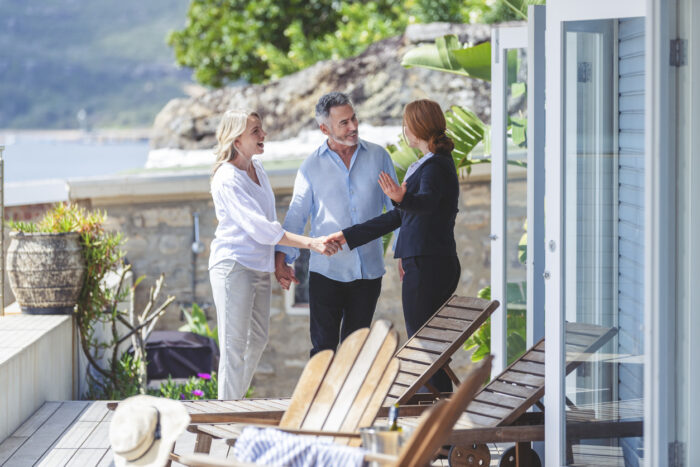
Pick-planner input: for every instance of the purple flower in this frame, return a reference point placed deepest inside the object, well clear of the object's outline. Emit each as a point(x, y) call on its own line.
point(204, 375)
point(182, 396)
point(198, 393)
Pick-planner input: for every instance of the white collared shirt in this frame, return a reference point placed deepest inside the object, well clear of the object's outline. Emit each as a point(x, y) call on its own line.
point(248, 229)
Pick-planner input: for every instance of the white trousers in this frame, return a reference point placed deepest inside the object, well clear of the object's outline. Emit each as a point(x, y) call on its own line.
point(242, 300)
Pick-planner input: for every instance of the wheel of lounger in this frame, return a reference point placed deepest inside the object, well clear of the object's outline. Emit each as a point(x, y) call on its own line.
point(530, 458)
point(471, 455)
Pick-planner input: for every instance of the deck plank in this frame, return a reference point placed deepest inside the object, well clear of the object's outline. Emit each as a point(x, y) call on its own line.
point(36, 420)
point(56, 458)
point(86, 457)
point(76, 435)
point(47, 434)
point(9, 446)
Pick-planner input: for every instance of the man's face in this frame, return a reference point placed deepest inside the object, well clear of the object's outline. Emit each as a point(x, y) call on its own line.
point(342, 125)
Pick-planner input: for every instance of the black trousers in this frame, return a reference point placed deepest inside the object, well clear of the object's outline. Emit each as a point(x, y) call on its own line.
point(337, 309)
point(427, 284)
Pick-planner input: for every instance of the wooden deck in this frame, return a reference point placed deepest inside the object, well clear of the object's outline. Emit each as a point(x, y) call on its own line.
point(72, 433)
point(75, 433)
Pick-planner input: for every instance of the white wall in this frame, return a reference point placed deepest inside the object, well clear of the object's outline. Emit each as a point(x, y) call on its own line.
point(36, 365)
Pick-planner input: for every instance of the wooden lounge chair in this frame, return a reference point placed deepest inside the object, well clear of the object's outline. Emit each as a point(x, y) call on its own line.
point(336, 392)
point(428, 351)
point(421, 357)
point(426, 439)
point(503, 403)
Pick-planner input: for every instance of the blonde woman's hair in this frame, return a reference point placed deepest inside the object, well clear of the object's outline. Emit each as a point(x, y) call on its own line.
point(231, 126)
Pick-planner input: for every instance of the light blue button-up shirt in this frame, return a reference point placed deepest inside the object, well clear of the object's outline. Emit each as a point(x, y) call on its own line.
point(336, 197)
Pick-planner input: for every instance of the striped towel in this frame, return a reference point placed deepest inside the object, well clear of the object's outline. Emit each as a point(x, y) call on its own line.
point(274, 447)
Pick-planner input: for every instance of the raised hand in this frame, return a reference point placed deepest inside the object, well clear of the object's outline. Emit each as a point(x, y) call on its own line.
point(390, 188)
point(337, 237)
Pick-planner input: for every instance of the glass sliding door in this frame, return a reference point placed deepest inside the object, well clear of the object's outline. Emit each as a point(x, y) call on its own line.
point(509, 71)
point(595, 231)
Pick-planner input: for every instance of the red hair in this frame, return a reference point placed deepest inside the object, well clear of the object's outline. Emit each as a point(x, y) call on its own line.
point(424, 118)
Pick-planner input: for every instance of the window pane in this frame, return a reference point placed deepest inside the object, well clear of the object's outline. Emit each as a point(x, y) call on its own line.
point(516, 202)
point(604, 232)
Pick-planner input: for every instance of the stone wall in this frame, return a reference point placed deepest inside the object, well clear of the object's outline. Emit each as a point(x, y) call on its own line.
point(160, 235)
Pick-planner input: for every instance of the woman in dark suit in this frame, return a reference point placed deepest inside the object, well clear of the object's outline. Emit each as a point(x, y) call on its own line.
point(426, 207)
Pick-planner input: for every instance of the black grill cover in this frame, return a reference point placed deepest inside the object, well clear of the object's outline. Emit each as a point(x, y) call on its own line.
point(180, 354)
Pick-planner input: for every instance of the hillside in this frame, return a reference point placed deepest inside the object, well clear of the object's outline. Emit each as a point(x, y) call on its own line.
point(108, 57)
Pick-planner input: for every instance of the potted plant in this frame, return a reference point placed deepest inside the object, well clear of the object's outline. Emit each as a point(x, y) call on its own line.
point(49, 262)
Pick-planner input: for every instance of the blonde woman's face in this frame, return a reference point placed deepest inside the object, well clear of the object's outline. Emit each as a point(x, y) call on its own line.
point(251, 141)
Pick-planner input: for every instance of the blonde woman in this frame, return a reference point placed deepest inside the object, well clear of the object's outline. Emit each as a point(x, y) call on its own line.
point(242, 252)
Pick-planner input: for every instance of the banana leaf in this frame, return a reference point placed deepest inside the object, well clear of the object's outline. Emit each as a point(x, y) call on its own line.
point(466, 131)
point(449, 55)
point(402, 155)
point(475, 60)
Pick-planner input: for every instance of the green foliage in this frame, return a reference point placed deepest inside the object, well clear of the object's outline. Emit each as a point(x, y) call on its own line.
point(515, 326)
point(429, 11)
point(124, 384)
point(197, 323)
point(449, 55)
point(228, 40)
point(202, 386)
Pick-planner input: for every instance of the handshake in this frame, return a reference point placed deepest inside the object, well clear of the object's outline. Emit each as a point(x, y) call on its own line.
point(328, 245)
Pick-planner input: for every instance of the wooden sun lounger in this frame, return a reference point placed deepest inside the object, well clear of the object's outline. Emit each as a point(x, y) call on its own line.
point(421, 357)
point(491, 416)
point(421, 447)
point(340, 392)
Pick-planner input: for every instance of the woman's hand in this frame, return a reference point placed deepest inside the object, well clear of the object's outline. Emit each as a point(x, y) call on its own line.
point(401, 271)
point(390, 188)
point(337, 237)
point(324, 246)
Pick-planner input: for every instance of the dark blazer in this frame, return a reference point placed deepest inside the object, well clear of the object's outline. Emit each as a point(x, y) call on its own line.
point(426, 214)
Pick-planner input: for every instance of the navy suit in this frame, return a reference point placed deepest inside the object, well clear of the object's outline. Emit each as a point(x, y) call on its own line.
point(426, 243)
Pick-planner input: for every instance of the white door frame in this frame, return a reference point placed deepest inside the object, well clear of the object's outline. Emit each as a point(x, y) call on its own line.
point(559, 12)
point(535, 172)
point(502, 39)
point(660, 235)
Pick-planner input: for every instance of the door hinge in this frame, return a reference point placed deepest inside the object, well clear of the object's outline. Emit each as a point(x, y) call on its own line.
point(676, 454)
point(679, 52)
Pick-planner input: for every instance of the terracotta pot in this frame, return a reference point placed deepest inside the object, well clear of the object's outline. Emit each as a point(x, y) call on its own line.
point(46, 271)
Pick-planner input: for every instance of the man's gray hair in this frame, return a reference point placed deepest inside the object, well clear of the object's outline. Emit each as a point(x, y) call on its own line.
point(326, 102)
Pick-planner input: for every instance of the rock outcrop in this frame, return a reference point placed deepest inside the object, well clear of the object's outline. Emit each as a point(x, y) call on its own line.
point(377, 83)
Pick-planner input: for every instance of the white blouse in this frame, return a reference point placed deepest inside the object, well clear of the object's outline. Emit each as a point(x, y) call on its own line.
point(248, 229)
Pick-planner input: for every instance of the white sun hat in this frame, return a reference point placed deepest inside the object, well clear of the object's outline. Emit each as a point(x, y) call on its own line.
point(144, 429)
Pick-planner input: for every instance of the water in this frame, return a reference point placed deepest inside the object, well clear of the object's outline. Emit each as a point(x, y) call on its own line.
point(33, 158)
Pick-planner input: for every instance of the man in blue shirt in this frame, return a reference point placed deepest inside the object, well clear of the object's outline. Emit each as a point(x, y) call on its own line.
point(336, 186)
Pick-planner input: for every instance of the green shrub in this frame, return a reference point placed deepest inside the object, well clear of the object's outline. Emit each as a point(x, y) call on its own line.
point(197, 323)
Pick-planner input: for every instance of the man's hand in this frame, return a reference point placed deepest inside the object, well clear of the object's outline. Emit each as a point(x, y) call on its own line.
point(401, 271)
point(390, 188)
point(337, 237)
point(283, 272)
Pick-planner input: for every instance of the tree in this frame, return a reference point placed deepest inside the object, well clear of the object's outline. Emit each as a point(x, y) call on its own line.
point(227, 40)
